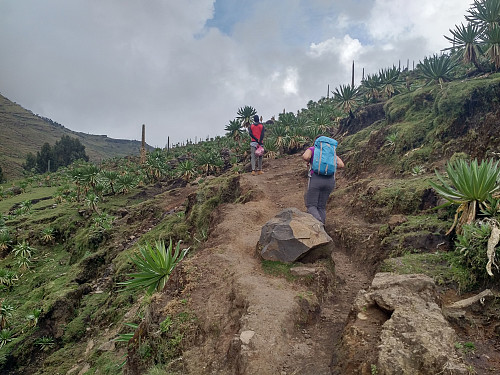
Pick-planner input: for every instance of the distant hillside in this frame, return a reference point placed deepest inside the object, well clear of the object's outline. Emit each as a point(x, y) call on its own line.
point(23, 132)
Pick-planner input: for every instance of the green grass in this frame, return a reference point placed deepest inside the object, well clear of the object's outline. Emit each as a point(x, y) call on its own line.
point(415, 226)
point(280, 269)
point(425, 120)
point(439, 266)
point(31, 194)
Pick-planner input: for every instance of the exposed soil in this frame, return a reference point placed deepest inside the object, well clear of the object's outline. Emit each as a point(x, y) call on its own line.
point(251, 322)
point(292, 327)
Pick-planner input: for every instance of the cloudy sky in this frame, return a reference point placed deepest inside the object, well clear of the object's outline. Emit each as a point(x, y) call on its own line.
point(184, 67)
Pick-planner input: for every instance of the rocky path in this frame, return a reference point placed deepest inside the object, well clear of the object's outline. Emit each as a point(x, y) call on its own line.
point(272, 333)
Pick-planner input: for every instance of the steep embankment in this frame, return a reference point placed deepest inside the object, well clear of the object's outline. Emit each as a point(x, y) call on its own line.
point(249, 320)
point(24, 132)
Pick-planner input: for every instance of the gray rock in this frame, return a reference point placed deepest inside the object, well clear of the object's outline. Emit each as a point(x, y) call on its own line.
point(246, 336)
point(303, 271)
point(293, 235)
point(412, 338)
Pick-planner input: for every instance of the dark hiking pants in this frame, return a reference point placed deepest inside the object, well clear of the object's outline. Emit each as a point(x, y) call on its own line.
point(317, 195)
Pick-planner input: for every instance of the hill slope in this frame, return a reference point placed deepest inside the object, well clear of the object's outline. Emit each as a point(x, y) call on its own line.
point(224, 310)
point(24, 132)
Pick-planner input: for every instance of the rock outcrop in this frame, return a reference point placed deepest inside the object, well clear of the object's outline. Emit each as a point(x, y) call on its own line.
point(294, 235)
point(397, 327)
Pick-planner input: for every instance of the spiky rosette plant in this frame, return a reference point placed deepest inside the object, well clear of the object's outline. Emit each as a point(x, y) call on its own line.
point(155, 264)
point(471, 187)
point(437, 69)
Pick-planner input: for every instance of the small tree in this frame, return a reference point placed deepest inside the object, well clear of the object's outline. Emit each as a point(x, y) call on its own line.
point(246, 113)
point(66, 151)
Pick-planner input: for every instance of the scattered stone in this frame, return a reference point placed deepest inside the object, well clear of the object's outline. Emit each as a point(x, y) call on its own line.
point(362, 316)
point(497, 329)
point(107, 346)
point(396, 220)
point(303, 271)
point(246, 336)
point(294, 235)
point(86, 367)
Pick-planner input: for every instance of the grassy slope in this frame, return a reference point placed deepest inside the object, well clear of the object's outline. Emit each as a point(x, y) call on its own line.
point(23, 132)
point(431, 109)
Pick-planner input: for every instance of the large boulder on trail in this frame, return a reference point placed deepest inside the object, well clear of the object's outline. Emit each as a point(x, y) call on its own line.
point(293, 235)
point(397, 327)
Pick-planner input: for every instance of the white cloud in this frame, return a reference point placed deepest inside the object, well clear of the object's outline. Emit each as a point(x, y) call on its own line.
point(390, 20)
point(290, 82)
point(108, 67)
point(346, 49)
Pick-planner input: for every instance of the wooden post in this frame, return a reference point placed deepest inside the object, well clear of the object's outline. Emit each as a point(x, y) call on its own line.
point(328, 92)
point(143, 145)
point(352, 74)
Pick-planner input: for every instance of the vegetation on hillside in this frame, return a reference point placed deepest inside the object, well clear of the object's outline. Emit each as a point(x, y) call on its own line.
point(70, 240)
point(50, 158)
point(24, 132)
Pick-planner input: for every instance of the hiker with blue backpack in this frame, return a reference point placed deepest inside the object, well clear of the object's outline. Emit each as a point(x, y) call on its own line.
point(324, 162)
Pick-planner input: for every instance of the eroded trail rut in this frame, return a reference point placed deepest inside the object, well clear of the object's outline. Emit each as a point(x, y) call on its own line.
point(256, 323)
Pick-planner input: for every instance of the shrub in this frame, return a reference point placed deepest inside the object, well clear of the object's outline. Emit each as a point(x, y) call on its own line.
point(474, 252)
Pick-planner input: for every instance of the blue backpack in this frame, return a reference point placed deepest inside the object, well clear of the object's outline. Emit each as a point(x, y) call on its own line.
point(325, 157)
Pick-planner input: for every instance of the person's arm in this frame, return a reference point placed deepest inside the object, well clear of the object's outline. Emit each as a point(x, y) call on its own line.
point(307, 155)
point(262, 135)
point(340, 163)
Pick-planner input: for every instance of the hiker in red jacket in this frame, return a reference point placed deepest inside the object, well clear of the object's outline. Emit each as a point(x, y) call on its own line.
point(256, 131)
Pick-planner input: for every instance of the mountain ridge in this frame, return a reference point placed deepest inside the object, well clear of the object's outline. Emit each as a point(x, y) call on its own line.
point(24, 132)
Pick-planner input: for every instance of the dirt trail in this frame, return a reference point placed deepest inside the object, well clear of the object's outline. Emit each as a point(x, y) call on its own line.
point(254, 315)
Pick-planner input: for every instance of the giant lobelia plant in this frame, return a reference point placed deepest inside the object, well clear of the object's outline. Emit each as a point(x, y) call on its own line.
point(472, 186)
point(155, 264)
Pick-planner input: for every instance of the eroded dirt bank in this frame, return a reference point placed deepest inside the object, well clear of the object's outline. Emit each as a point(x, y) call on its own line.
point(252, 322)
point(249, 321)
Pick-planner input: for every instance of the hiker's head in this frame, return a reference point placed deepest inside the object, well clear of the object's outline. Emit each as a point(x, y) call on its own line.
point(256, 119)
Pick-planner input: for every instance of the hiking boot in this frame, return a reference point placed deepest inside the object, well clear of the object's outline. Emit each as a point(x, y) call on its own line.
point(253, 173)
point(260, 172)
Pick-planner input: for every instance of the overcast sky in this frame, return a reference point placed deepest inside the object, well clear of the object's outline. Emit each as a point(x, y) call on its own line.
point(184, 67)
